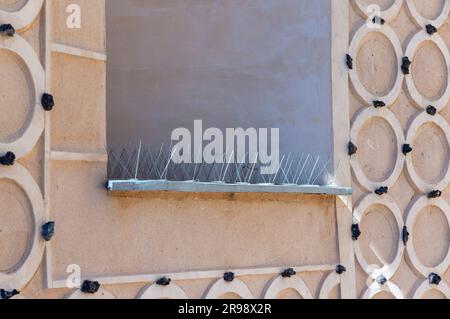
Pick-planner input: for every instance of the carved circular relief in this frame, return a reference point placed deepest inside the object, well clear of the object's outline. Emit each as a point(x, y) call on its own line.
point(380, 236)
point(376, 289)
point(362, 118)
point(173, 291)
point(429, 71)
point(21, 275)
point(430, 154)
point(443, 180)
point(280, 284)
point(422, 21)
point(424, 235)
point(377, 149)
point(376, 64)
point(16, 219)
point(417, 42)
point(222, 288)
point(16, 96)
point(413, 214)
point(426, 287)
point(22, 18)
point(332, 281)
point(355, 47)
point(388, 270)
point(389, 13)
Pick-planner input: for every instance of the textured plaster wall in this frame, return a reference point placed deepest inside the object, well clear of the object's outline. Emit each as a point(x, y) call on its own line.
point(117, 235)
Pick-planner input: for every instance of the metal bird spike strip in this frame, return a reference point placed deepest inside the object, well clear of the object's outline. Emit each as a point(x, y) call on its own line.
point(136, 162)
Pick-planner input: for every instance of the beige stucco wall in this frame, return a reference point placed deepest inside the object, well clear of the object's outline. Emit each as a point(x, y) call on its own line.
point(145, 236)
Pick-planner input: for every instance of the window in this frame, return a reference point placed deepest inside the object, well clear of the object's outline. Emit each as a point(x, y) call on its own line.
point(205, 66)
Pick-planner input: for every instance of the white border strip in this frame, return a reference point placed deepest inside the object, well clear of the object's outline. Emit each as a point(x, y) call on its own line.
point(47, 138)
point(340, 24)
point(195, 275)
point(83, 53)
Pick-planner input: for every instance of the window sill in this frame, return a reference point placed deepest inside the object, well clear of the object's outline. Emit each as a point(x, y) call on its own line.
point(199, 187)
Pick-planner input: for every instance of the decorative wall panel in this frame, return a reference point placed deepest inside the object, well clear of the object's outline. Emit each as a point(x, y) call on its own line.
point(415, 106)
point(14, 151)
